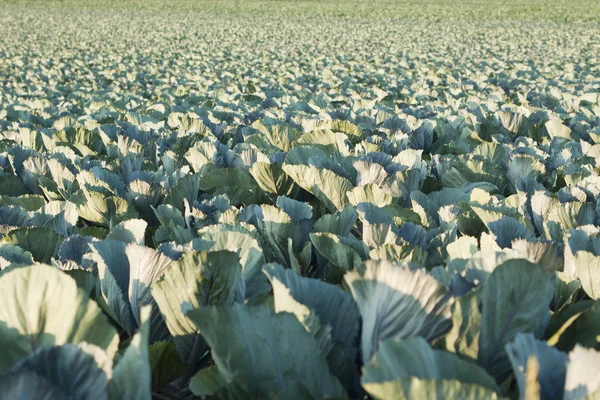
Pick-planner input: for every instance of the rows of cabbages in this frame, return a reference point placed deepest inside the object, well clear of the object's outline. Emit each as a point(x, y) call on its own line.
point(277, 208)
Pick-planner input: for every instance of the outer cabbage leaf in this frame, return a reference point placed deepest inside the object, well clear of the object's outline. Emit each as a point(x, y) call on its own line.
point(428, 389)
point(552, 365)
point(463, 337)
point(165, 363)
point(588, 272)
point(132, 377)
point(126, 273)
point(324, 184)
point(258, 353)
point(272, 179)
point(395, 301)
point(515, 299)
point(578, 323)
point(414, 357)
point(198, 279)
point(28, 385)
point(68, 369)
point(582, 380)
point(107, 211)
point(130, 231)
point(47, 310)
point(42, 243)
point(317, 305)
point(251, 255)
point(341, 255)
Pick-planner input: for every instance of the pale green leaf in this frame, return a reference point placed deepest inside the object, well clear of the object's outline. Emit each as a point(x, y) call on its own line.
point(47, 309)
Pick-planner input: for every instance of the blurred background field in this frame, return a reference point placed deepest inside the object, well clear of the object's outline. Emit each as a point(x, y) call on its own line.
point(526, 10)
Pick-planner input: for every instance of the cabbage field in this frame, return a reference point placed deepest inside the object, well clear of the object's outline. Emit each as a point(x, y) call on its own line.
point(276, 199)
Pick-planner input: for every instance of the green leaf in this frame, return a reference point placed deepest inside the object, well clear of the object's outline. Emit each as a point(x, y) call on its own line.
point(238, 185)
point(463, 337)
point(63, 181)
point(297, 210)
point(126, 273)
point(186, 189)
point(130, 231)
point(325, 185)
point(173, 226)
point(59, 216)
point(414, 357)
point(107, 211)
point(276, 228)
point(515, 299)
point(369, 173)
point(507, 229)
point(428, 389)
point(68, 369)
point(557, 129)
point(12, 185)
point(340, 224)
point(132, 377)
point(588, 272)
point(165, 363)
point(354, 132)
point(369, 194)
point(402, 183)
point(578, 323)
point(207, 382)
point(47, 309)
point(42, 243)
point(567, 289)
point(258, 353)
point(11, 254)
point(299, 155)
point(294, 390)
point(398, 253)
point(515, 123)
point(301, 263)
point(178, 120)
point(144, 196)
point(565, 217)
point(341, 255)
point(28, 385)
point(12, 218)
point(395, 301)
point(280, 136)
point(378, 226)
point(317, 304)
point(93, 231)
point(524, 166)
point(333, 306)
point(272, 179)
point(197, 280)
point(331, 141)
point(582, 380)
point(552, 365)
point(541, 253)
point(29, 202)
point(243, 242)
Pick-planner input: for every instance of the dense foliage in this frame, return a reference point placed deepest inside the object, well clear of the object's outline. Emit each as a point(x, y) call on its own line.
point(273, 207)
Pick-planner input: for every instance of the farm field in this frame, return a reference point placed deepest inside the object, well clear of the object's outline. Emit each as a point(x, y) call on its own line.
point(271, 199)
